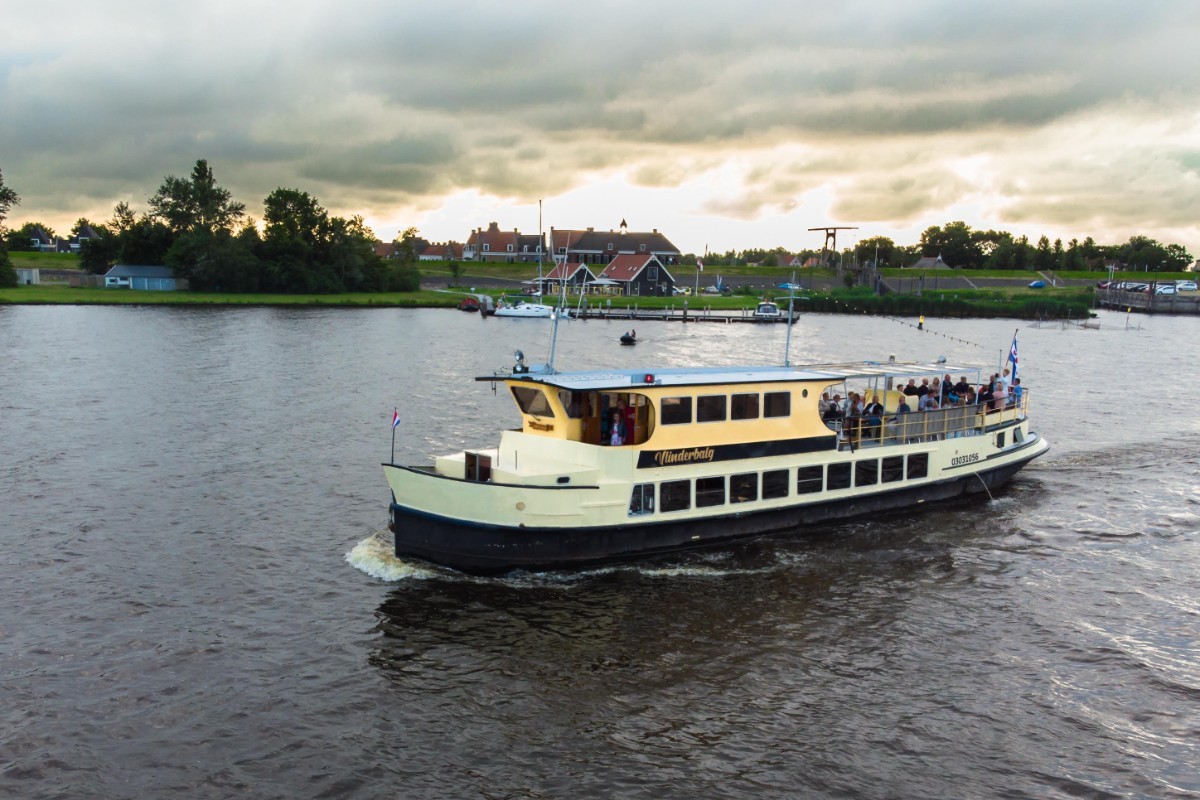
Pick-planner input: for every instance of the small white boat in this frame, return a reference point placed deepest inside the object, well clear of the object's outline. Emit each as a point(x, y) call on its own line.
point(520, 308)
point(767, 312)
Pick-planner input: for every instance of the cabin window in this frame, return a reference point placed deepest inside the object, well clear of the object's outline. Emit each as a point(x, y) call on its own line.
point(810, 480)
point(743, 406)
point(866, 472)
point(576, 403)
point(743, 488)
point(642, 500)
point(676, 411)
point(775, 484)
point(532, 401)
point(838, 477)
point(1018, 435)
point(710, 408)
point(918, 465)
point(675, 495)
point(893, 469)
point(777, 404)
point(710, 492)
point(1000, 439)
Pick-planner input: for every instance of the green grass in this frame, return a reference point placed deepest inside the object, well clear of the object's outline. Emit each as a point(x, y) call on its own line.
point(1017, 301)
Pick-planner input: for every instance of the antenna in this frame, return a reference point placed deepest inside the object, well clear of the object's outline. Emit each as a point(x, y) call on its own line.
point(787, 345)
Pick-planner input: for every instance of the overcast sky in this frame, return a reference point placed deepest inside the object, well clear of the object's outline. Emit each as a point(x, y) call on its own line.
point(723, 125)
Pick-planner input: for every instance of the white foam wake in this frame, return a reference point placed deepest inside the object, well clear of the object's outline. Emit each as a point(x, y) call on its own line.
point(374, 556)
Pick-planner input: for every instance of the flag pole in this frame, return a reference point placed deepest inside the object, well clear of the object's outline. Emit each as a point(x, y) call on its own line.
point(395, 413)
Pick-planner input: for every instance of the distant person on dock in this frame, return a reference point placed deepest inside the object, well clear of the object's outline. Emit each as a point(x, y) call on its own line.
point(921, 323)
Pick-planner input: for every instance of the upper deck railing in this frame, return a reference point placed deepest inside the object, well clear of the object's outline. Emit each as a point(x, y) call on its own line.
point(891, 428)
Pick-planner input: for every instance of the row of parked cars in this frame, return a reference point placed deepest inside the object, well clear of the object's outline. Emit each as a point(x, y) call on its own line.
point(1157, 287)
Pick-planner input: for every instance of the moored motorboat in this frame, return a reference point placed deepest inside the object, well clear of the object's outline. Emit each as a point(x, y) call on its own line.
point(615, 464)
point(766, 311)
point(629, 337)
point(523, 309)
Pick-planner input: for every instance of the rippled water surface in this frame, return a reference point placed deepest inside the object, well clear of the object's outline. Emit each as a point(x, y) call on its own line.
point(197, 599)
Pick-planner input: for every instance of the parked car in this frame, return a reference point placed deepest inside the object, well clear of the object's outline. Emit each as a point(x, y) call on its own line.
point(682, 291)
point(1038, 285)
point(1185, 286)
point(1105, 284)
point(788, 287)
point(1165, 288)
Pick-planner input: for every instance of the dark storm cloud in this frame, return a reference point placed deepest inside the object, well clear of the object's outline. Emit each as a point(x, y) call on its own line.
point(404, 103)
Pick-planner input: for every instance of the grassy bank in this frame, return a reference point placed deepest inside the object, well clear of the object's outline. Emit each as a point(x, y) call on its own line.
point(1017, 302)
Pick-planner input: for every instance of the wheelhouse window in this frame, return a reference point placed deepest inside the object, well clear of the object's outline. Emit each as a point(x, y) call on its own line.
point(774, 484)
point(675, 495)
point(777, 404)
point(743, 406)
point(710, 492)
point(810, 480)
point(866, 472)
point(743, 488)
point(641, 501)
point(918, 465)
point(710, 408)
point(577, 404)
point(838, 476)
point(532, 401)
point(676, 411)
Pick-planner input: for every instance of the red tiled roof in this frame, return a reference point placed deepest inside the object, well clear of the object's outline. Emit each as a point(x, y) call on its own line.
point(626, 267)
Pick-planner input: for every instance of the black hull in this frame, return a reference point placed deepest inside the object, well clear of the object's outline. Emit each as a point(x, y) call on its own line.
point(486, 549)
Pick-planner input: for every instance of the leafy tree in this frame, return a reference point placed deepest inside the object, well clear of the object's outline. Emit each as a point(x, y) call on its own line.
point(123, 219)
point(296, 229)
point(954, 243)
point(214, 262)
point(866, 250)
point(196, 204)
point(8, 199)
point(146, 243)
point(402, 273)
point(98, 255)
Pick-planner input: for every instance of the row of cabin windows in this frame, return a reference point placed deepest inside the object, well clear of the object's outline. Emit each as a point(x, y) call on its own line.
point(720, 407)
point(773, 484)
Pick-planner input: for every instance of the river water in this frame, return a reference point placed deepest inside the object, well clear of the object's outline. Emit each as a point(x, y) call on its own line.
point(196, 598)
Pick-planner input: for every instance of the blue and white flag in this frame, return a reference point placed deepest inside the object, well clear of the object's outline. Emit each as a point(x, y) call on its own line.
point(1012, 356)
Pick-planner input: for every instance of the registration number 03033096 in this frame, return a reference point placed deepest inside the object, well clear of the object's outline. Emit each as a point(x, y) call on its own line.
point(969, 458)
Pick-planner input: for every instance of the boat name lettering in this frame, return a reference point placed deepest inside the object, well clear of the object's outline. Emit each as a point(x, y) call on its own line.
point(666, 457)
point(970, 458)
point(541, 426)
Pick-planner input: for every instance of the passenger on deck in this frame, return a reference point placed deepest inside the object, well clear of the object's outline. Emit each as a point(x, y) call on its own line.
point(874, 414)
point(911, 389)
point(1017, 392)
point(834, 410)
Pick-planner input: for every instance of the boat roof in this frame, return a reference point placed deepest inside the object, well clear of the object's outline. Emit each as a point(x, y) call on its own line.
point(690, 376)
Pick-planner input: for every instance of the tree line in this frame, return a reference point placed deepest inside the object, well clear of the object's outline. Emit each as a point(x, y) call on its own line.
point(196, 227)
point(960, 246)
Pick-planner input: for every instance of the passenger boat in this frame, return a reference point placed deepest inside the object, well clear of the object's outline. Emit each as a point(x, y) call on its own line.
point(709, 455)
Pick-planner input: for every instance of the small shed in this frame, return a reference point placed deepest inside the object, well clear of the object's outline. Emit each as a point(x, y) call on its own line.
point(126, 276)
